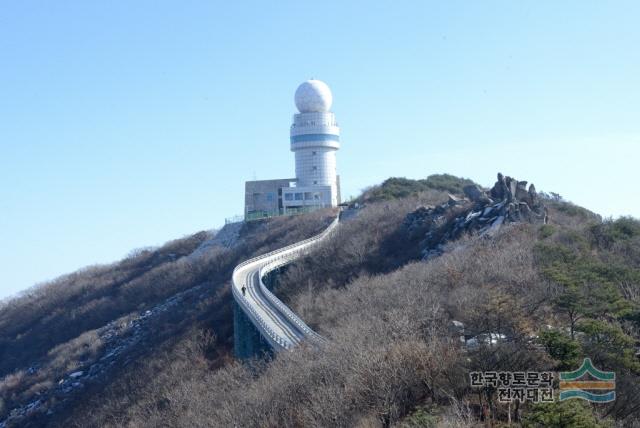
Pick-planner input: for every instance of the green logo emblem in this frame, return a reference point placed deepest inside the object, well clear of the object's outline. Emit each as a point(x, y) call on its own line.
point(572, 386)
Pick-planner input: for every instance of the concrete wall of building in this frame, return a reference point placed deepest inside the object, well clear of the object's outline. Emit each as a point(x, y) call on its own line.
point(314, 138)
point(316, 166)
point(307, 196)
point(314, 123)
point(264, 195)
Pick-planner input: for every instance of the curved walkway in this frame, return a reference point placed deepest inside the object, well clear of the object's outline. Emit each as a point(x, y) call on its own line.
point(274, 320)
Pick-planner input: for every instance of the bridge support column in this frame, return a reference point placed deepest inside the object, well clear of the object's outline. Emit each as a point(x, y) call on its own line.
point(247, 340)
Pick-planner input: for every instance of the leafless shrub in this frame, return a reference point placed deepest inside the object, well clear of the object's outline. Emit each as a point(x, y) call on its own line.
point(66, 357)
point(55, 323)
point(11, 382)
point(458, 415)
point(387, 317)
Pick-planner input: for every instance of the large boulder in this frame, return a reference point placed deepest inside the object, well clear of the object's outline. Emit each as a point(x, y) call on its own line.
point(475, 194)
point(508, 201)
point(500, 191)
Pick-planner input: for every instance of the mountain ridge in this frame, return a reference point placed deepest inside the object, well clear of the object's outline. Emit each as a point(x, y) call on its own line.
point(193, 347)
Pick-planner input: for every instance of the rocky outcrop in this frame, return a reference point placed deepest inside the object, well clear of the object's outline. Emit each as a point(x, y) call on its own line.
point(481, 211)
point(227, 237)
point(123, 341)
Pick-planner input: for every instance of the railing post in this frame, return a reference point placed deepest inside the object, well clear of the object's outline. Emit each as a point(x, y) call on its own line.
point(286, 254)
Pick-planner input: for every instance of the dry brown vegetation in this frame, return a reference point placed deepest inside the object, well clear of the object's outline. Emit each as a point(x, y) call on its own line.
point(54, 327)
point(373, 242)
point(390, 348)
point(53, 313)
point(392, 357)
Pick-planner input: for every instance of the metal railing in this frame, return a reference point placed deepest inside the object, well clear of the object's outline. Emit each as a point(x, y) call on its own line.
point(264, 270)
point(280, 212)
point(279, 257)
point(274, 339)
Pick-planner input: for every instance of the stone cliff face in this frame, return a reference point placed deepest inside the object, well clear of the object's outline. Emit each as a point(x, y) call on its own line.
point(483, 212)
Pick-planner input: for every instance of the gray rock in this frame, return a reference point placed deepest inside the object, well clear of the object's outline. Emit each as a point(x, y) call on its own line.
point(522, 194)
point(453, 200)
point(475, 193)
point(471, 216)
point(495, 226)
point(512, 186)
point(509, 202)
point(499, 189)
point(440, 209)
point(533, 195)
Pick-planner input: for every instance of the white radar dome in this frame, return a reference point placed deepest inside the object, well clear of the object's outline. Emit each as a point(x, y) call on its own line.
point(313, 96)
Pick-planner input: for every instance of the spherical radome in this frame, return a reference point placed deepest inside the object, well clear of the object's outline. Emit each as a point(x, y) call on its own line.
point(313, 96)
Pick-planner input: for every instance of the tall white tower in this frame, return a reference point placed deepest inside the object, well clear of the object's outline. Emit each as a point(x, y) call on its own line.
point(315, 138)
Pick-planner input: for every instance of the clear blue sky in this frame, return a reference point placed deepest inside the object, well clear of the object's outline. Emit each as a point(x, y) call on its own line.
point(129, 123)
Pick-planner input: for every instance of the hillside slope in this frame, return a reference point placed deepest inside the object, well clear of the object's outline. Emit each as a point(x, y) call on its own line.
point(64, 341)
point(552, 293)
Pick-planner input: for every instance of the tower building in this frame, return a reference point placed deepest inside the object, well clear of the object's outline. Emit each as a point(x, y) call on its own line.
point(314, 139)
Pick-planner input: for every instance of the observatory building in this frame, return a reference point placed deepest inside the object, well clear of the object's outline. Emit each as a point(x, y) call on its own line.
point(315, 139)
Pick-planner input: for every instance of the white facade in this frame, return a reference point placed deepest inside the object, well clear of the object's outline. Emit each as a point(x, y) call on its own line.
point(309, 196)
point(315, 139)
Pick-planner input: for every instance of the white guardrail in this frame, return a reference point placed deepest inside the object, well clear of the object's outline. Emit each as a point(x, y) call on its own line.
point(265, 264)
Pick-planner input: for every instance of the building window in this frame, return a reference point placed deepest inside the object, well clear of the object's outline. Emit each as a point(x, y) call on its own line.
point(307, 196)
point(314, 153)
point(314, 168)
point(298, 196)
point(270, 197)
point(315, 182)
point(288, 196)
